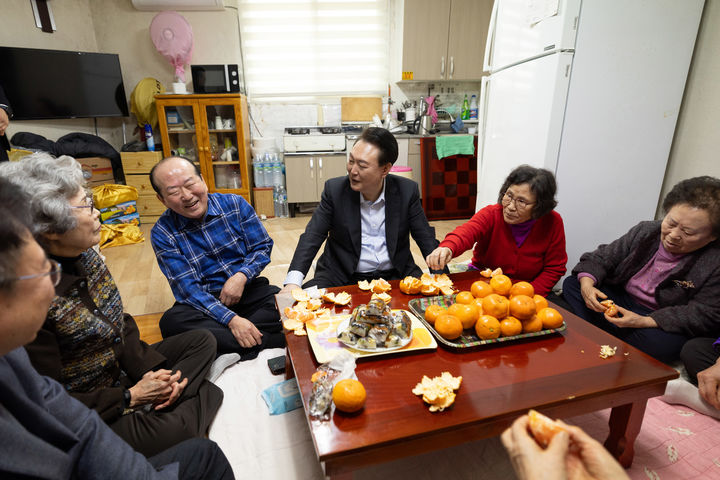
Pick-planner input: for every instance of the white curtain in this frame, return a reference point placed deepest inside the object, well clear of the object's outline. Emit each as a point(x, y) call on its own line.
point(314, 47)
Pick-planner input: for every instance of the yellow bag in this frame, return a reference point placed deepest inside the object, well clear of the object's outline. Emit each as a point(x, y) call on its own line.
point(116, 234)
point(110, 194)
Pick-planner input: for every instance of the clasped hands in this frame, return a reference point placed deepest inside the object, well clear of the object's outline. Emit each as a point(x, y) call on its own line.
point(624, 319)
point(160, 388)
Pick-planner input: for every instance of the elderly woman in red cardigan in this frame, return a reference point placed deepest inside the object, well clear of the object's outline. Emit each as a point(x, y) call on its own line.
point(522, 234)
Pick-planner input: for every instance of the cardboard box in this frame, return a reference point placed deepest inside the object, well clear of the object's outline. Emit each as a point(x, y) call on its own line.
point(97, 170)
point(119, 210)
point(133, 218)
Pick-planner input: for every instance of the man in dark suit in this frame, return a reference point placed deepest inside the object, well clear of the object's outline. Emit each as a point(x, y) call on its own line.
point(367, 219)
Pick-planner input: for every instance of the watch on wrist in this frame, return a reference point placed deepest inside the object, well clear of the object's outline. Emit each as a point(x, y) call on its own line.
point(127, 397)
point(7, 109)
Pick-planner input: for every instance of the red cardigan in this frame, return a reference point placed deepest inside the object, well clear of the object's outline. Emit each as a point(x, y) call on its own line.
point(540, 260)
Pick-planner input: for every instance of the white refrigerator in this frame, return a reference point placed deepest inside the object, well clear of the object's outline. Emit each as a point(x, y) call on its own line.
point(590, 90)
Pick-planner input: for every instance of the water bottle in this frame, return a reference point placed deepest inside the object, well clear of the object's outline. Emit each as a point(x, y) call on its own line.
point(277, 174)
point(267, 170)
point(473, 107)
point(282, 196)
point(257, 171)
point(149, 138)
point(276, 201)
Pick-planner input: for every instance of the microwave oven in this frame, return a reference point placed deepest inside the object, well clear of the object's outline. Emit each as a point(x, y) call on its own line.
point(215, 78)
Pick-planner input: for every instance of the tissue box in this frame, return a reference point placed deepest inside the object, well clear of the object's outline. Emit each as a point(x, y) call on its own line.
point(133, 218)
point(119, 210)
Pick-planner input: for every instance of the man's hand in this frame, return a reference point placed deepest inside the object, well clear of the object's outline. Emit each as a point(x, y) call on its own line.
point(246, 334)
point(709, 385)
point(233, 289)
point(289, 288)
point(156, 388)
point(4, 121)
point(530, 460)
point(628, 319)
point(591, 294)
point(438, 258)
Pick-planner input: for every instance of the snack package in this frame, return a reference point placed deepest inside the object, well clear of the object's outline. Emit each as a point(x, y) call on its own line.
point(119, 210)
point(324, 379)
point(282, 397)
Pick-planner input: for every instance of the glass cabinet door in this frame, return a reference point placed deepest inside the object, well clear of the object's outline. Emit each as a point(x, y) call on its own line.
point(223, 153)
point(182, 132)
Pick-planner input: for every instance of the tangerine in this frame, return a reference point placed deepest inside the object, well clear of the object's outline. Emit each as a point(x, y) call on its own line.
point(448, 326)
point(429, 289)
point(349, 395)
point(501, 284)
point(550, 318)
point(522, 307)
point(487, 327)
point(533, 324)
point(480, 289)
point(478, 303)
point(522, 288)
point(543, 428)
point(381, 286)
point(432, 312)
point(466, 313)
point(540, 302)
point(465, 297)
point(510, 326)
point(410, 285)
point(495, 305)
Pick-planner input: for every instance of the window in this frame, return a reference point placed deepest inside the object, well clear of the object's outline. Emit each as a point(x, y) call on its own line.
point(314, 47)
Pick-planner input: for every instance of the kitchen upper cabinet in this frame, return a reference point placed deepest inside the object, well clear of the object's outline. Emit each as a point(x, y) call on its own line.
point(444, 39)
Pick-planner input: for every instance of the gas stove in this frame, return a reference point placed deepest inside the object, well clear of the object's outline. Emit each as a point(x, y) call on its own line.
point(313, 139)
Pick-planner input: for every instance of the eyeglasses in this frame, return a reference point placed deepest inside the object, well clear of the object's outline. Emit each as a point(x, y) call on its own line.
point(55, 273)
point(89, 203)
point(520, 203)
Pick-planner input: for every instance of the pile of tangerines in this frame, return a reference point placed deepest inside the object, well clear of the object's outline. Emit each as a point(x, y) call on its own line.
point(493, 309)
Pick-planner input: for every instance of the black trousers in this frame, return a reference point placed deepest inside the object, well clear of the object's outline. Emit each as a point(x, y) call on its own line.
point(698, 354)
point(257, 304)
point(656, 342)
point(152, 431)
point(199, 459)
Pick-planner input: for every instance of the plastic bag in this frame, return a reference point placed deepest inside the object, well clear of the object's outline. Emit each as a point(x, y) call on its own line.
point(110, 194)
point(341, 366)
point(114, 235)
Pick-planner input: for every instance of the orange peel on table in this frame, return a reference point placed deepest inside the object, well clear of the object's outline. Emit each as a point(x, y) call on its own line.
point(489, 273)
point(385, 297)
point(342, 298)
point(300, 295)
point(438, 392)
point(380, 285)
point(433, 284)
point(364, 285)
point(329, 297)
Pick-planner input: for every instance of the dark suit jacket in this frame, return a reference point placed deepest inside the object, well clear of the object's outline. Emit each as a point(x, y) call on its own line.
point(337, 219)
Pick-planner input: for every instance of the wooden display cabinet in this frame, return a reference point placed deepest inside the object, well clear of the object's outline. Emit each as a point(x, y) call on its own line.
point(188, 128)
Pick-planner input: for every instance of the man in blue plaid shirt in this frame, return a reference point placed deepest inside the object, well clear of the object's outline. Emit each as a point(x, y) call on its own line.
point(211, 248)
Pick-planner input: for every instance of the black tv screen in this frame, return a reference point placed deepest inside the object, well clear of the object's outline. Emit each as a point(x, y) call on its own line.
point(49, 84)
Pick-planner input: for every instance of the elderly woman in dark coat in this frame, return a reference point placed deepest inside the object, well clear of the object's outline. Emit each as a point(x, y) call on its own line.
point(663, 276)
point(151, 396)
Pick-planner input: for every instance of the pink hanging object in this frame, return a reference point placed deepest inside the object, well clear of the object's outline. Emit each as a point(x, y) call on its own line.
point(172, 36)
point(431, 109)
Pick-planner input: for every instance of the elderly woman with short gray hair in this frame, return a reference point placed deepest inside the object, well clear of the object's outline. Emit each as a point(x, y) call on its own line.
point(152, 396)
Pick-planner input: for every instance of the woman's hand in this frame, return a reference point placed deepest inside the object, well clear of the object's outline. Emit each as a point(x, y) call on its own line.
point(155, 388)
point(591, 294)
point(438, 258)
point(589, 459)
point(709, 384)
point(529, 459)
point(628, 319)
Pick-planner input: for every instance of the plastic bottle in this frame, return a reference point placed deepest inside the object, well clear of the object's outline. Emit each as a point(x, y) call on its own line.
point(465, 109)
point(282, 198)
point(277, 207)
point(473, 107)
point(277, 174)
point(267, 170)
point(149, 138)
point(257, 171)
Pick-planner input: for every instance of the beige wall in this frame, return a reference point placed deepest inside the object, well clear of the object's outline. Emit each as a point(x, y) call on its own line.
point(696, 146)
point(114, 26)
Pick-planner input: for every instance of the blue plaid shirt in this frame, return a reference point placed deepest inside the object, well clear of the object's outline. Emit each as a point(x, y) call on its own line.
point(198, 256)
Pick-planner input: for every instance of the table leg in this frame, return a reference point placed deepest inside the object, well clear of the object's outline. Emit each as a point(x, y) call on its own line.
point(625, 422)
point(289, 371)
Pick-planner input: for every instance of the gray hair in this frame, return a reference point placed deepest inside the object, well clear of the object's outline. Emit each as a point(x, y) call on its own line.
point(50, 183)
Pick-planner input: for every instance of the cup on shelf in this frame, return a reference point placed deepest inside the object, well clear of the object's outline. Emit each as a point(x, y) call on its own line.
point(228, 124)
point(218, 123)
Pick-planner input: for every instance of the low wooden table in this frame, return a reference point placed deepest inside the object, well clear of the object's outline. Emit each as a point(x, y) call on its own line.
point(561, 375)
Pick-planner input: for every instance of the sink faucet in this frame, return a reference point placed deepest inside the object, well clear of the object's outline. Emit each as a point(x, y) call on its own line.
point(441, 110)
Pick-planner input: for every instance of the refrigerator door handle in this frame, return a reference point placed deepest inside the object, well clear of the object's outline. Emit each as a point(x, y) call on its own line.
point(490, 37)
point(442, 67)
point(482, 117)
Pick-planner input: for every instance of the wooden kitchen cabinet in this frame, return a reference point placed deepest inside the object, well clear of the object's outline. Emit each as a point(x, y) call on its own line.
point(444, 39)
point(306, 175)
point(188, 127)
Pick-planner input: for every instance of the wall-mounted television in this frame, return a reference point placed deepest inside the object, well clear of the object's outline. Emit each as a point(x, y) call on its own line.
point(52, 84)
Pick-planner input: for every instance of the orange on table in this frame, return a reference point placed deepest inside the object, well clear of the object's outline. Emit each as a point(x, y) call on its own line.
point(448, 326)
point(465, 297)
point(290, 312)
point(410, 285)
point(522, 288)
point(501, 284)
point(522, 307)
point(432, 312)
point(531, 325)
point(510, 326)
point(496, 305)
point(429, 289)
point(467, 313)
point(305, 316)
point(543, 428)
point(487, 327)
point(480, 289)
point(550, 318)
point(540, 302)
point(349, 395)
